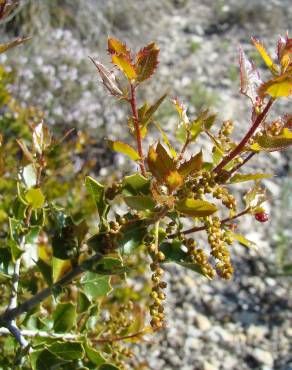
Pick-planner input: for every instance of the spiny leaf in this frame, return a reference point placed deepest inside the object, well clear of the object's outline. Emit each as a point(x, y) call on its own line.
point(136, 184)
point(96, 190)
point(195, 207)
point(194, 164)
point(96, 285)
point(270, 143)
point(266, 57)
point(277, 87)
point(159, 162)
point(117, 47)
point(108, 78)
point(140, 202)
point(12, 44)
point(124, 148)
point(166, 141)
point(67, 350)
point(125, 65)
point(248, 177)
point(147, 61)
point(284, 52)
point(64, 317)
point(35, 198)
point(197, 125)
point(249, 77)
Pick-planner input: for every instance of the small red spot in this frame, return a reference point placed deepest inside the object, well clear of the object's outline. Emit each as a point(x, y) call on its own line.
point(261, 217)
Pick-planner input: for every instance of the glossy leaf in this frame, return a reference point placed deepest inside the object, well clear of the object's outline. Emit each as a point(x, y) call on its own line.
point(106, 266)
point(83, 303)
point(194, 164)
point(265, 55)
point(95, 285)
point(159, 162)
point(173, 180)
point(45, 360)
point(248, 177)
point(60, 268)
point(46, 270)
point(64, 317)
point(147, 61)
point(120, 147)
point(136, 184)
point(117, 47)
point(94, 356)
point(268, 142)
point(132, 237)
point(140, 202)
point(125, 65)
point(35, 198)
point(108, 366)
point(67, 350)
point(277, 87)
point(96, 190)
point(195, 207)
point(242, 240)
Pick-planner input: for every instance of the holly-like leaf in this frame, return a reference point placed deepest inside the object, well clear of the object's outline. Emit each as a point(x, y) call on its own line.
point(277, 87)
point(106, 266)
point(166, 141)
point(35, 198)
point(45, 360)
point(94, 355)
point(108, 79)
point(249, 78)
point(173, 180)
point(265, 55)
point(284, 52)
point(242, 240)
point(117, 47)
point(140, 202)
point(136, 185)
point(12, 44)
point(64, 317)
point(270, 143)
point(124, 148)
point(67, 350)
point(248, 177)
point(125, 65)
point(159, 162)
point(96, 190)
point(95, 285)
point(46, 270)
point(132, 237)
point(191, 166)
point(195, 207)
point(147, 61)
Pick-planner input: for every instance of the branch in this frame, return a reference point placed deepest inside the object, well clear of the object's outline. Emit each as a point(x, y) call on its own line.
point(239, 148)
point(133, 102)
point(201, 228)
point(11, 314)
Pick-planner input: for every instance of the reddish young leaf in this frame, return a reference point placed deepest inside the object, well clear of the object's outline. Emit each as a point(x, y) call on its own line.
point(249, 78)
point(265, 55)
point(173, 180)
point(117, 47)
point(194, 164)
point(284, 52)
point(147, 61)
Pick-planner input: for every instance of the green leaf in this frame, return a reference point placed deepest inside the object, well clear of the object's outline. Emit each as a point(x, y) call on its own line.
point(132, 237)
point(106, 266)
point(173, 253)
point(147, 114)
point(16, 251)
point(194, 164)
point(32, 235)
point(108, 367)
point(67, 350)
point(45, 360)
point(64, 317)
point(268, 142)
point(96, 285)
point(35, 198)
point(248, 177)
point(46, 270)
point(195, 208)
point(96, 190)
point(121, 147)
point(140, 202)
point(136, 184)
point(242, 240)
point(28, 176)
point(60, 267)
point(94, 355)
point(147, 61)
point(83, 303)
point(166, 141)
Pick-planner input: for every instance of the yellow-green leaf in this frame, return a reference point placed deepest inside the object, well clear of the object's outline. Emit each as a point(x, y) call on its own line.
point(195, 207)
point(242, 240)
point(140, 202)
point(117, 47)
point(265, 55)
point(268, 142)
point(166, 141)
point(124, 148)
point(248, 177)
point(277, 87)
point(35, 198)
point(194, 164)
point(125, 65)
point(173, 180)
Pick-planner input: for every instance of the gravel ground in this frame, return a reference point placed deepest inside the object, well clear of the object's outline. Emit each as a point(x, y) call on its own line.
point(237, 325)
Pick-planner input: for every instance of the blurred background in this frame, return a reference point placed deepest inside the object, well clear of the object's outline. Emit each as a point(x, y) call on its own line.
point(241, 324)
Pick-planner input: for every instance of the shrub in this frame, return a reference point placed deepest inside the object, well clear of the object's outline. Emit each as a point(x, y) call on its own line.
point(66, 270)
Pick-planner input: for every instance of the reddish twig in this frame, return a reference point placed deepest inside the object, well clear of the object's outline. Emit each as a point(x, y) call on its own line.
point(133, 102)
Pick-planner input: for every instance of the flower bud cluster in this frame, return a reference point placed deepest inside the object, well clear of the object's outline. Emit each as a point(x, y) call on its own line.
point(218, 240)
point(157, 294)
point(112, 191)
point(199, 257)
point(227, 199)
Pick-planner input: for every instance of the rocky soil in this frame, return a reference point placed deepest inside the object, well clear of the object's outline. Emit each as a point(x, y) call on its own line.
point(237, 325)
